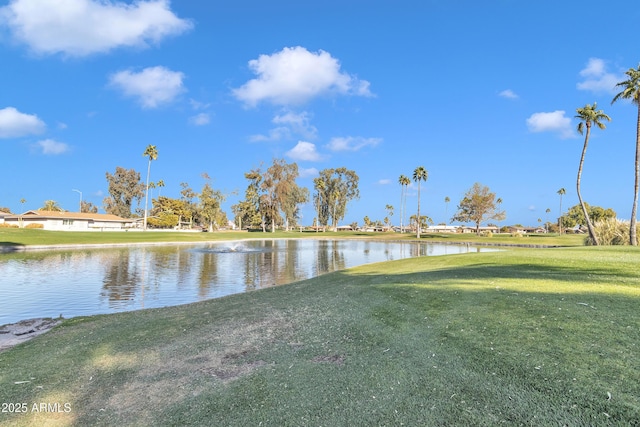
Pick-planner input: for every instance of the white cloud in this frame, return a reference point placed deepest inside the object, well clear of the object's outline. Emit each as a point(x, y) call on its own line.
point(84, 27)
point(384, 181)
point(291, 124)
point(294, 76)
point(152, 86)
point(49, 146)
point(308, 172)
point(14, 124)
point(352, 143)
point(305, 151)
point(509, 94)
point(597, 78)
point(200, 119)
point(197, 105)
point(555, 121)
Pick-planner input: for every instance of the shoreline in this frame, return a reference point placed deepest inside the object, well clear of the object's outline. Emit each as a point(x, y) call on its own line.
point(16, 333)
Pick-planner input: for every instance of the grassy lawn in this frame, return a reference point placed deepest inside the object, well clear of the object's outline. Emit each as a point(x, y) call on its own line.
point(542, 337)
point(26, 237)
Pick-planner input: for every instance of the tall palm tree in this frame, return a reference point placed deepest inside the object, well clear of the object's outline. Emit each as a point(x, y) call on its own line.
point(546, 225)
point(631, 90)
point(419, 174)
point(561, 192)
point(446, 206)
point(160, 184)
point(404, 182)
point(152, 153)
point(588, 115)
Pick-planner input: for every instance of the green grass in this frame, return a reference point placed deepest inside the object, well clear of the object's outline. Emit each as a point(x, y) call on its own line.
point(541, 337)
point(26, 237)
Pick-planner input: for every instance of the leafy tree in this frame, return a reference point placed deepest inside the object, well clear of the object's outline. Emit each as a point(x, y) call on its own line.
point(210, 202)
point(124, 187)
point(419, 174)
point(424, 221)
point(51, 205)
point(167, 212)
point(479, 204)
point(631, 90)
point(335, 188)
point(575, 215)
point(5, 209)
point(282, 195)
point(190, 208)
point(404, 182)
point(88, 207)
point(561, 192)
point(152, 153)
point(247, 212)
point(588, 115)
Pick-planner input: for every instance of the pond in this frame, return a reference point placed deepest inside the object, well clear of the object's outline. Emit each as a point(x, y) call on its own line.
point(82, 282)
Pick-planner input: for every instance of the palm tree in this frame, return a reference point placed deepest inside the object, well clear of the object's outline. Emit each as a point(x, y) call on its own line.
point(51, 205)
point(561, 192)
point(419, 174)
point(588, 115)
point(152, 153)
point(546, 225)
point(160, 184)
point(631, 90)
point(446, 206)
point(404, 182)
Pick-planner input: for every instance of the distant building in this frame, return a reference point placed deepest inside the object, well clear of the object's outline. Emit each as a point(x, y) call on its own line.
point(70, 221)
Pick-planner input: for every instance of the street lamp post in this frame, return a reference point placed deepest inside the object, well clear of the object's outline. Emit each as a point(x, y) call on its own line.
point(78, 191)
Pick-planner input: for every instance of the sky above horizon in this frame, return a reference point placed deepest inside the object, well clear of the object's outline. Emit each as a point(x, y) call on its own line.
point(472, 91)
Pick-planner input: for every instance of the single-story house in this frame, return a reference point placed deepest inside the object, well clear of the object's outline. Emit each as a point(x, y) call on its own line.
point(70, 221)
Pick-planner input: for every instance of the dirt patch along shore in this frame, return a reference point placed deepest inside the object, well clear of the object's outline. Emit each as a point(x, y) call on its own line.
point(16, 333)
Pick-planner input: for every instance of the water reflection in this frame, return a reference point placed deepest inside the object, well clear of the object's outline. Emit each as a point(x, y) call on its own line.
point(84, 282)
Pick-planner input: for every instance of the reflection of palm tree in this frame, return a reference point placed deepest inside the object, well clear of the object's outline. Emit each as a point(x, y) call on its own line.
point(631, 90)
point(588, 115)
point(404, 182)
point(419, 174)
point(152, 153)
point(561, 192)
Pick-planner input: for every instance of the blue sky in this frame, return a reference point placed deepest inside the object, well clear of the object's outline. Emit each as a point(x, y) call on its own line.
point(474, 91)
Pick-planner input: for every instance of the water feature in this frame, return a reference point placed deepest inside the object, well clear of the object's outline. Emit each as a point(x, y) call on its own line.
point(92, 281)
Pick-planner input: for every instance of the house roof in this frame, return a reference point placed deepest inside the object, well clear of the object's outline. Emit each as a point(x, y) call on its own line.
point(70, 215)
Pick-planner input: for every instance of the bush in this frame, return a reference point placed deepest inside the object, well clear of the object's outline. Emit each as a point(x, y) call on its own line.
point(610, 231)
point(34, 226)
point(5, 225)
point(485, 233)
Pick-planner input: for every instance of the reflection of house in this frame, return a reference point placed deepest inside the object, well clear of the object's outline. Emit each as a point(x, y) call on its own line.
point(71, 221)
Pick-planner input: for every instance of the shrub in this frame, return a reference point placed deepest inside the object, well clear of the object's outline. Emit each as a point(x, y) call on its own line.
point(34, 226)
point(610, 231)
point(485, 233)
point(5, 225)
point(517, 234)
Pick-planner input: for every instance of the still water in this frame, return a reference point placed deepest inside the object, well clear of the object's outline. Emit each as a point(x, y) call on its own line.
point(84, 282)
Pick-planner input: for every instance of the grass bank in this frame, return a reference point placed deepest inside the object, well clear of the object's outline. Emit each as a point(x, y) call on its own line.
point(31, 237)
point(527, 337)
